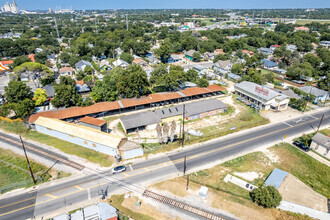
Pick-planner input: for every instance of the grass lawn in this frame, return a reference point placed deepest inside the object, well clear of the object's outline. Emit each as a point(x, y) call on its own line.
point(303, 22)
point(67, 147)
point(10, 174)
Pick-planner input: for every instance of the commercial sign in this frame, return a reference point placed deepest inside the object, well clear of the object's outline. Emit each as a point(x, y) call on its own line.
point(262, 90)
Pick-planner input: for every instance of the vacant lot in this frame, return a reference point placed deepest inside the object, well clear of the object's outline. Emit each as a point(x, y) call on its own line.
point(303, 22)
point(69, 148)
point(14, 169)
point(254, 168)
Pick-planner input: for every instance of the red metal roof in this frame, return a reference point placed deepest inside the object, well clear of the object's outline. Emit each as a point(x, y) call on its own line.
point(108, 106)
point(92, 121)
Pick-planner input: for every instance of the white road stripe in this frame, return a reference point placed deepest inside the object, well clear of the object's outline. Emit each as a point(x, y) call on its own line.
point(89, 194)
point(287, 124)
point(312, 116)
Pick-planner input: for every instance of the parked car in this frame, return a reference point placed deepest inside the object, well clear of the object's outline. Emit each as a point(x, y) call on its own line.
point(118, 169)
point(301, 145)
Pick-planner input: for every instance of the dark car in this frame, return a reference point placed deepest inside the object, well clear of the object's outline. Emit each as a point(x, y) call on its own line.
point(301, 145)
point(118, 169)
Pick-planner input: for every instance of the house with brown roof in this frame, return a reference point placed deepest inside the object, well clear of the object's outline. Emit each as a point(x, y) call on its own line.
point(66, 71)
point(140, 62)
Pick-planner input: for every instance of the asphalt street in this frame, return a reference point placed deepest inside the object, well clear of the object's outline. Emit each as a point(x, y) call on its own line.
point(60, 196)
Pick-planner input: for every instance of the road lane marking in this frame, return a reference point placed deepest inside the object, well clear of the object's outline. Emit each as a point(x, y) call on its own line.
point(287, 124)
point(50, 195)
point(312, 116)
point(164, 165)
point(89, 194)
point(78, 187)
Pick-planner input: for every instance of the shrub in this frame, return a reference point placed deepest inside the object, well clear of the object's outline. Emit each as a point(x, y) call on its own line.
point(266, 196)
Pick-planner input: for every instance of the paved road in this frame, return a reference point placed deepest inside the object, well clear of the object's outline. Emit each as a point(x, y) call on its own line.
point(59, 196)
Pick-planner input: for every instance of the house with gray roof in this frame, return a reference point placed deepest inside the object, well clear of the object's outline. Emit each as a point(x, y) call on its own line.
point(262, 96)
point(81, 65)
point(321, 144)
point(320, 95)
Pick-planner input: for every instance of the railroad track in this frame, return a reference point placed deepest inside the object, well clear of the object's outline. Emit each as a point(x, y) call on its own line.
point(180, 205)
point(41, 152)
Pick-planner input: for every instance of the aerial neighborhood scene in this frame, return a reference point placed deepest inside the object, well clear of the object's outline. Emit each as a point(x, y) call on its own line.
point(206, 109)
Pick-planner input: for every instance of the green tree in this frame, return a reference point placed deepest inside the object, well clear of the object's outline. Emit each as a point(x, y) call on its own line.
point(266, 196)
point(40, 96)
point(17, 91)
point(133, 82)
point(19, 61)
point(202, 82)
point(66, 94)
point(41, 57)
point(196, 57)
point(237, 68)
point(127, 57)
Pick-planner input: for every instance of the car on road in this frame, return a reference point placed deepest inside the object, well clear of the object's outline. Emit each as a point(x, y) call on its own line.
point(118, 169)
point(301, 145)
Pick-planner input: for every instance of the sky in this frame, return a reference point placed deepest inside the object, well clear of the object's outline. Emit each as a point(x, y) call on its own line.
point(167, 4)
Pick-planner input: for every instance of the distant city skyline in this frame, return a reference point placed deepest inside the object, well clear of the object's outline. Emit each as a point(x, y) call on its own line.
point(169, 4)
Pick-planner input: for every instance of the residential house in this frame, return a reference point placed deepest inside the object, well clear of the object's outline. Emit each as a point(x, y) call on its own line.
point(189, 54)
point(250, 53)
point(120, 63)
point(301, 28)
point(291, 47)
point(82, 89)
point(321, 144)
point(266, 51)
point(209, 56)
point(262, 96)
point(234, 77)
point(142, 63)
point(325, 44)
point(268, 64)
point(6, 63)
point(219, 51)
point(320, 95)
point(50, 90)
point(66, 71)
point(105, 65)
point(222, 66)
point(273, 47)
point(82, 64)
point(175, 58)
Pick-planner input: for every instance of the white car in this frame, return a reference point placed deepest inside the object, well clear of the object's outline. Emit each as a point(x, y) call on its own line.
point(118, 169)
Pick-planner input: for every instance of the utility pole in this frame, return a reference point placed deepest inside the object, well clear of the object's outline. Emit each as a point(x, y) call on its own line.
point(27, 159)
point(126, 21)
point(320, 124)
point(183, 117)
point(58, 35)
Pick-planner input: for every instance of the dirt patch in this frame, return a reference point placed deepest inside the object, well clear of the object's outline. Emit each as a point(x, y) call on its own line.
point(146, 209)
point(249, 175)
point(295, 191)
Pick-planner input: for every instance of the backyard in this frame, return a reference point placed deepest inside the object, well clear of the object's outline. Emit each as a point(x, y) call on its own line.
point(17, 127)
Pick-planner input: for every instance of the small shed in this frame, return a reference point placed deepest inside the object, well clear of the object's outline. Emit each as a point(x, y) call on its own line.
point(98, 124)
point(203, 192)
point(276, 178)
point(129, 149)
